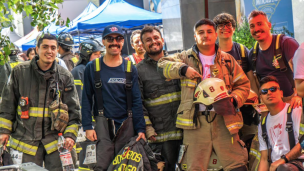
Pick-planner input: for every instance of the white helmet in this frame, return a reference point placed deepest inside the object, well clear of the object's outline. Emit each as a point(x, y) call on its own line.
point(210, 90)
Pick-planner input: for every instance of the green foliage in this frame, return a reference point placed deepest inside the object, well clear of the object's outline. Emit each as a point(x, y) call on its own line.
point(43, 12)
point(242, 34)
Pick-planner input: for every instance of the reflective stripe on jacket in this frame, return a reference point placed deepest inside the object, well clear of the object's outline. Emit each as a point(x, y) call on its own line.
point(225, 67)
point(161, 100)
point(27, 80)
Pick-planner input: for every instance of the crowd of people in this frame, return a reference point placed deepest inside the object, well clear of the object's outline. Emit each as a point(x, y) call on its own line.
point(219, 101)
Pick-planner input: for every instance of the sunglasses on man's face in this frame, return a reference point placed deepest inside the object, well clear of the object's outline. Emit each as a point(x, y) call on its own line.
point(110, 39)
point(271, 89)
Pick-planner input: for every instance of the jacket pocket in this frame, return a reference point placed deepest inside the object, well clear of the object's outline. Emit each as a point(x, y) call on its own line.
point(185, 114)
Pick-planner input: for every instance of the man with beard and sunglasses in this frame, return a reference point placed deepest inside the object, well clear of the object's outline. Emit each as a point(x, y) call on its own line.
point(208, 129)
point(161, 99)
point(280, 132)
point(107, 81)
point(272, 55)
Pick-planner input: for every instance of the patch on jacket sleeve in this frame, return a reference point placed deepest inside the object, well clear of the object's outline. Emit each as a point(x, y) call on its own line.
point(68, 88)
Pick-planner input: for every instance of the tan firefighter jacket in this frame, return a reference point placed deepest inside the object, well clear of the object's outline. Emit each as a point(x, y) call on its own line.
point(27, 80)
point(225, 67)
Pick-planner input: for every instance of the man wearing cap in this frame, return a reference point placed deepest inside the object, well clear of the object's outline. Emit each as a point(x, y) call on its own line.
point(111, 91)
point(65, 42)
point(208, 129)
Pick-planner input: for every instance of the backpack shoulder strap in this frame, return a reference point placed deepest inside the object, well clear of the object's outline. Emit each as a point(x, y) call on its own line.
point(254, 55)
point(97, 86)
point(128, 86)
point(265, 136)
point(243, 56)
point(289, 128)
point(278, 53)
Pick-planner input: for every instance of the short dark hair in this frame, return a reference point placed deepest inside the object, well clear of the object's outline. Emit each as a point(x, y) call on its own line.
point(223, 18)
point(204, 21)
point(267, 79)
point(149, 29)
point(133, 34)
point(65, 47)
point(30, 50)
point(46, 36)
point(255, 13)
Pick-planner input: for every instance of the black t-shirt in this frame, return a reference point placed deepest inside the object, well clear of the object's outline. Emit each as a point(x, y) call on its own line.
point(265, 62)
point(237, 54)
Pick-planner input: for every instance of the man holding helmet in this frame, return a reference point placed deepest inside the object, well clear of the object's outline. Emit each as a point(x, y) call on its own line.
point(208, 128)
point(65, 42)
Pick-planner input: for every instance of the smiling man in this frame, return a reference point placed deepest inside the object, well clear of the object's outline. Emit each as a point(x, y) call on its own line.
point(272, 55)
point(279, 132)
point(204, 129)
point(113, 83)
point(25, 114)
point(161, 99)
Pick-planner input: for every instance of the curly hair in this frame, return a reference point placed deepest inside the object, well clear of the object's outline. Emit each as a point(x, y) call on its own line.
point(223, 18)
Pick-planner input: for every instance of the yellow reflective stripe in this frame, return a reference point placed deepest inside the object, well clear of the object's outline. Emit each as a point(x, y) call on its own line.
point(14, 64)
point(129, 64)
point(167, 70)
point(79, 83)
point(23, 147)
point(97, 64)
point(35, 112)
point(277, 41)
point(75, 60)
point(51, 147)
point(236, 125)
point(289, 109)
point(189, 83)
point(239, 76)
point(242, 51)
point(147, 120)
point(83, 168)
point(263, 121)
point(163, 99)
point(184, 122)
point(257, 155)
point(172, 135)
point(78, 150)
point(5, 123)
point(72, 129)
point(255, 47)
point(302, 129)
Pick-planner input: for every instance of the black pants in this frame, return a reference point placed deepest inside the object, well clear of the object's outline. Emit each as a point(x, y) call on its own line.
point(168, 152)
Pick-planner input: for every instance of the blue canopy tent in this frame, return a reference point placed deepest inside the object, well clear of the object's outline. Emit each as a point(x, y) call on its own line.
point(53, 29)
point(116, 12)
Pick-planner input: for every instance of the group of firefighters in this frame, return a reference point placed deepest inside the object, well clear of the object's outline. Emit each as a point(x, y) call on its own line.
point(189, 106)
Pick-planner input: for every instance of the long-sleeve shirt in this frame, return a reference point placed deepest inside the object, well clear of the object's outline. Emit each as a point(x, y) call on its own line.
point(114, 96)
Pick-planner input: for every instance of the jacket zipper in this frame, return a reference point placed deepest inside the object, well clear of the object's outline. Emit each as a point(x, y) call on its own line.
point(46, 90)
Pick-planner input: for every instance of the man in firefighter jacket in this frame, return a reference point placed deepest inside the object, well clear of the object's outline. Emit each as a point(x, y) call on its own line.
point(65, 41)
point(26, 107)
point(161, 100)
point(204, 130)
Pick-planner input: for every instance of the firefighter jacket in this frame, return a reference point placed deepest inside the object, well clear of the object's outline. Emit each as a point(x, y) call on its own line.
point(67, 58)
point(161, 99)
point(5, 71)
point(225, 67)
point(77, 73)
point(27, 80)
point(14, 61)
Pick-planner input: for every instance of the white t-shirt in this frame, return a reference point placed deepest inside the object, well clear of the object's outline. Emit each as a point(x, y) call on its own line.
point(298, 62)
point(206, 61)
point(277, 134)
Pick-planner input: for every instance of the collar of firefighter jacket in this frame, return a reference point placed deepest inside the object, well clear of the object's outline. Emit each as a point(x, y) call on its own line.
point(217, 51)
point(47, 74)
point(66, 54)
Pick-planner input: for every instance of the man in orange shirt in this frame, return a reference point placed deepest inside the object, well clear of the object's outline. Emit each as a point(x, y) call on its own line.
point(136, 44)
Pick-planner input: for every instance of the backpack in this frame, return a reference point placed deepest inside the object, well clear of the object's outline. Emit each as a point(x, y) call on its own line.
point(282, 63)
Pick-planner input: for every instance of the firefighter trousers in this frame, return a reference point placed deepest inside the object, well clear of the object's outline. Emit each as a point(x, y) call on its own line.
point(51, 161)
point(108, 145)
point(230, 150)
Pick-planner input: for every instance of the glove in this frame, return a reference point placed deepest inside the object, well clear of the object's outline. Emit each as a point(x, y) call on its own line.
point(59, 115)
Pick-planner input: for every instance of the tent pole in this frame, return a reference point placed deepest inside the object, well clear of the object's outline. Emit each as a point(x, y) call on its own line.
point(127, 41)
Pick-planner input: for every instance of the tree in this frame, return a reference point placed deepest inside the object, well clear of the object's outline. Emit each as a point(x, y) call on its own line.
point(43, 12)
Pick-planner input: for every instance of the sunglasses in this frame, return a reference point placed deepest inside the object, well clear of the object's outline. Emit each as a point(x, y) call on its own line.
point(222, 26)
point(271, 89)
point(110, 39)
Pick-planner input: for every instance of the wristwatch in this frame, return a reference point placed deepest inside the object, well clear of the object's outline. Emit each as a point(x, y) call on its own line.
point(285, 158)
